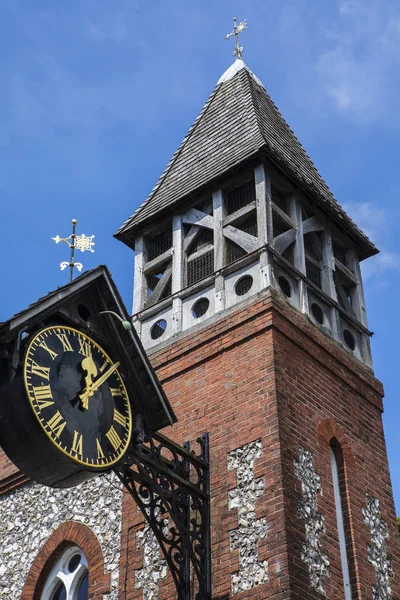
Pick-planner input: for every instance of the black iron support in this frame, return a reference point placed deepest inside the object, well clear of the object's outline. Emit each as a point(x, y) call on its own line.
point(171, 486)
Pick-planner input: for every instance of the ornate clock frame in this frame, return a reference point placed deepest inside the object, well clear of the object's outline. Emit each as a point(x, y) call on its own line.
point(160, 487)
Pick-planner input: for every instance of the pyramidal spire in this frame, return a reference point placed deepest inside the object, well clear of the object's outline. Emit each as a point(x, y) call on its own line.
point(238, 122)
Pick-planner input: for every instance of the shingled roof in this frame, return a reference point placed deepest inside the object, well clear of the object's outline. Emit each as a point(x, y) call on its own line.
point(238, 122)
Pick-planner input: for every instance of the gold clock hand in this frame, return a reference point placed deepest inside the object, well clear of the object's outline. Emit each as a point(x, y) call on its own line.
point(84, 397)
point(91, 371)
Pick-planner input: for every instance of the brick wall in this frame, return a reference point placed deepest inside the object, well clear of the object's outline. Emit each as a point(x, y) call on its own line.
point(265, 372)
point(320, 399)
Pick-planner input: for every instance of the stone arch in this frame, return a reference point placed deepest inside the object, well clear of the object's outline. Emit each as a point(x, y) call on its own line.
point(69, 533)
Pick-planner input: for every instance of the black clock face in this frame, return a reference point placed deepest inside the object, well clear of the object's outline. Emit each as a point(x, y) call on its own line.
point(78, 396)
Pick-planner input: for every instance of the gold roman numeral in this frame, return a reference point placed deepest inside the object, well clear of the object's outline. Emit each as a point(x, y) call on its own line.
point(100, 453)
point(77, 443)
point(56, 423)
point(119, 418)
point(41, 371)
point(84, 348)
point(115, 392)
point(49, 350)
point(66, 344)
point(113, 438)
point(43, 396)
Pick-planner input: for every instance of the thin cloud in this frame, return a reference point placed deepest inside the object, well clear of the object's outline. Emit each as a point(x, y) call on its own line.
point(113, 30)
point(356, 69)
point(373, 221)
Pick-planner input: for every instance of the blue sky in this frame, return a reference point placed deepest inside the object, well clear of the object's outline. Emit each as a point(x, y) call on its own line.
point(97, 95)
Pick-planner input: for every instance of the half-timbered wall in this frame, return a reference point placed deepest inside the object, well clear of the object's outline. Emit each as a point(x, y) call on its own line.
point(256, 231)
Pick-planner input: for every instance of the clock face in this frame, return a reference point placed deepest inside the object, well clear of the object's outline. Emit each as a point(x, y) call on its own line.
point(78, 396)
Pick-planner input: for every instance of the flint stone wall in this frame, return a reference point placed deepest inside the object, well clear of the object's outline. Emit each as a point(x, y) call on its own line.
point(311, 552)
point(377, 550)
point(29, 515)
point(252, 572)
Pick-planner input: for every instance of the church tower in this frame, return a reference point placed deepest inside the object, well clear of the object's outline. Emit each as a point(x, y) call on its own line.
point(249, 299)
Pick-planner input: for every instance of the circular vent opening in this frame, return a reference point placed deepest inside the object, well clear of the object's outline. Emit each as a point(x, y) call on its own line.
point(285, 286)
point(244, 285)
point(83, 312)
point(158, 329)
point(349, 339)
point(317, 313)
point(200, 307)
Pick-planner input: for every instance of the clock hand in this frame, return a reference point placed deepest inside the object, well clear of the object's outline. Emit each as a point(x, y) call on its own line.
point(94, 385)
point(91, 371)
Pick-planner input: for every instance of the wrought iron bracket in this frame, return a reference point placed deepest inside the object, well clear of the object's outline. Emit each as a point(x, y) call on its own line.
point(171, 486)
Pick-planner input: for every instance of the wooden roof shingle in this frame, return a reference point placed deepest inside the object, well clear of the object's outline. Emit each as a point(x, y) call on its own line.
point(238, 121)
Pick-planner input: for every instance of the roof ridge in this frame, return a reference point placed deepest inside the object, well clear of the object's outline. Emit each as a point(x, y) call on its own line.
point(174, 156)
point(293, 134)
point(250, 76)
point(327, 188)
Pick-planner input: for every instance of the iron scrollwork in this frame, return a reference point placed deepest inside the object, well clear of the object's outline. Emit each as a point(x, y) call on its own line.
point(171, 486)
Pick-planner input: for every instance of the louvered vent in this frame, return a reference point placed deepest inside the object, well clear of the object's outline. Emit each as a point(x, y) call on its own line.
point(200, 267)
point(233, 252)
point(204, 239)
point(309, 248)
point(339, 253)
point(249, 225)
point(159, 244)
point(240, 197)
point(313, 273)
point(278, 198)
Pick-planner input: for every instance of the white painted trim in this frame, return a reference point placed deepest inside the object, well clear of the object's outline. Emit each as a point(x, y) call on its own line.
point(264, 222)
point(60, 573)
point(140, 286)
point(177, 272)
point(340, 526)
point(219, 245)
point(299, 252)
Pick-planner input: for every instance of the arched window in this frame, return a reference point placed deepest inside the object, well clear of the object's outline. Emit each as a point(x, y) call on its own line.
point(339, 493)
point(69, 578)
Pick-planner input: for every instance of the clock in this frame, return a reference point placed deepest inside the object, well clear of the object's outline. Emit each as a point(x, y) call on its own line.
point(70, 409)
point(78, 397)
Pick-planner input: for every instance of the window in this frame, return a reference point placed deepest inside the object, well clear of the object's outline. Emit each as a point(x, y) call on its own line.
point(69, 578)
point(240, 197)
point(278, 198)
point(159, 243)
point(339, 252)
point(200, 260)
point(312, 249)
point(336, 460)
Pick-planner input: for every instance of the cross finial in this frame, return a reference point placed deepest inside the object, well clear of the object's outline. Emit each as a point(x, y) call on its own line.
point(236, 30)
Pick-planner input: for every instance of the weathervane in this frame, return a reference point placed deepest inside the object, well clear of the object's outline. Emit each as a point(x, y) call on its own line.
point(79, 242)
point(236, 30)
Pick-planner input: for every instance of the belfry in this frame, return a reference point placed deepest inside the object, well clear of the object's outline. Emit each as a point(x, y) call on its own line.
point(249, 299)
